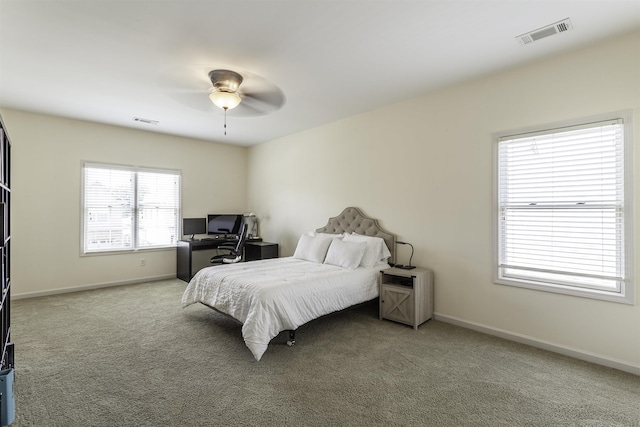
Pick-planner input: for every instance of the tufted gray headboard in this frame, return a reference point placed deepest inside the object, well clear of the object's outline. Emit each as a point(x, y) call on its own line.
point(352, 220)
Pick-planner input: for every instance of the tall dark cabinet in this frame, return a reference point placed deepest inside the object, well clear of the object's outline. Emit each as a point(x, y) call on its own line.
point(6, 361)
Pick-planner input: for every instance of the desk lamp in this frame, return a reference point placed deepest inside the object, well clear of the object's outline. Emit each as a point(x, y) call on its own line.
point(252, 222)
point(406, 267)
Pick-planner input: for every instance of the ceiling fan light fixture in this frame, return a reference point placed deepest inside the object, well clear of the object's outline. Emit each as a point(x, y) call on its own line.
point(225, 100)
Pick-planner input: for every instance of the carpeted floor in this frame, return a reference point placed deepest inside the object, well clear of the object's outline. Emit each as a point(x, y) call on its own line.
point(131, 356)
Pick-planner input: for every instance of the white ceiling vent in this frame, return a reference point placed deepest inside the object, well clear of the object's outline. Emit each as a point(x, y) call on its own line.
point(147, 121)
point(549, 30)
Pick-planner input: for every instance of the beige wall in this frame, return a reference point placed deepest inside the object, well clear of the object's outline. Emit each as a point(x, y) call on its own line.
point(47, 155)
point(424, 168)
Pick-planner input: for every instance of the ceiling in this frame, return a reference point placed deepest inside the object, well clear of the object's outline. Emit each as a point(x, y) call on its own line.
point(111, 61)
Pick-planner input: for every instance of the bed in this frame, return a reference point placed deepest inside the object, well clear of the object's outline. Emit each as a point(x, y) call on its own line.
point(333, 268)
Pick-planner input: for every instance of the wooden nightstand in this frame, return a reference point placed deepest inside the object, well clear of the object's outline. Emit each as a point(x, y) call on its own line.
point(406, 296)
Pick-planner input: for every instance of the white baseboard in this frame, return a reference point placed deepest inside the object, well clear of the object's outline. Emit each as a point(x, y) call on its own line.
point(88, 287)
point(534, 342)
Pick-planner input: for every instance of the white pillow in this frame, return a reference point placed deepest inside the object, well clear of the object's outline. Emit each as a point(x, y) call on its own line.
point(345, 254)
point(312, 248)
point(377, 250)
point(333, 236)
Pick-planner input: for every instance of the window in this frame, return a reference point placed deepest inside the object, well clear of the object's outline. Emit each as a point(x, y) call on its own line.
point(128, 208)
point(564, 200)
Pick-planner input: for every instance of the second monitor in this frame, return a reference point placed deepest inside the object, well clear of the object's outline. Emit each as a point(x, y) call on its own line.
point(194, 226)
point(223, 224)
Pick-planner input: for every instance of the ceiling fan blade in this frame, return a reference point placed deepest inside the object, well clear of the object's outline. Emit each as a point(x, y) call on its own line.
point(193, 100)
point(246, 110)
point(259, 103)
point(186, 86)
point(273, 98)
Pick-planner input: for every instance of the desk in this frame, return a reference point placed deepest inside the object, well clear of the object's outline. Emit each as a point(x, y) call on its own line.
point(185, 250)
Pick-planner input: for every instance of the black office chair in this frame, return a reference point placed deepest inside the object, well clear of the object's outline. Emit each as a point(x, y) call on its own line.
point(234, 250)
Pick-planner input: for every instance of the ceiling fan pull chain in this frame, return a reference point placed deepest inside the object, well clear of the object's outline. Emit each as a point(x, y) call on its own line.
point(225, 121)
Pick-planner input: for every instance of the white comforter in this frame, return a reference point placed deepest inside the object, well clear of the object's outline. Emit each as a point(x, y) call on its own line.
point(279, 294)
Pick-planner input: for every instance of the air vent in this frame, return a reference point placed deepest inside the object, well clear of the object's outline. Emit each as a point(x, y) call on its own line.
point(147, 121)
point(549, 30)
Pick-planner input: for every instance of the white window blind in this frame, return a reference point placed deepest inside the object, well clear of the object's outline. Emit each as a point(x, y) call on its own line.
point(158, 200)
point(561, 199)
point(127, 208)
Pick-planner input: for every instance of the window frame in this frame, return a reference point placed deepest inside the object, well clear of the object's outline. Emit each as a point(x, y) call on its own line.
point(626, 293)
point(135, 231)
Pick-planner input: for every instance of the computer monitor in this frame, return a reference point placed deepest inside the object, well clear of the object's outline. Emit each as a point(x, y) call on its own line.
point(194, 226)
point(224, 224)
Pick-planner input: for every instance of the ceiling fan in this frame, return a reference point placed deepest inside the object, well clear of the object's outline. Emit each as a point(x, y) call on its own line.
point(256, 97)
point(251, 94)
point(225, 88)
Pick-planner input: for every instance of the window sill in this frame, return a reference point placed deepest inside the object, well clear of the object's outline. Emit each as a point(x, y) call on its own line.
point(128, 251)
point(624, 297)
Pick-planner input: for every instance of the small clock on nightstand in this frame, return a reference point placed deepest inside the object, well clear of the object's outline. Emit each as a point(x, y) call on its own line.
point(406, 296)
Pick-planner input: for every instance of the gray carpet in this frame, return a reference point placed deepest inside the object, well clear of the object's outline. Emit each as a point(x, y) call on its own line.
point(131, 356)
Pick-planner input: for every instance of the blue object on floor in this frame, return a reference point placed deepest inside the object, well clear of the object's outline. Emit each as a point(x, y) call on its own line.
point(7, 406)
